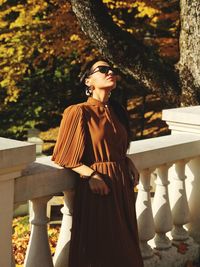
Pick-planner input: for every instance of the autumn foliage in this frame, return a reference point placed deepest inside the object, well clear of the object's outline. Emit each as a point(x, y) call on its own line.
point(21, 237)
point(42, 48)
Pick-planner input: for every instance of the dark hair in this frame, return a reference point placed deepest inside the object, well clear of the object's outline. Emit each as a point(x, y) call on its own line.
point(118, 109)
point(86, 72)
point(87, 68)
point(122, 115)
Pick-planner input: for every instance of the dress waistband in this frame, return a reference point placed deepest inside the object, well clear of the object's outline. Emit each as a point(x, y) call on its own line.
point(108, 161)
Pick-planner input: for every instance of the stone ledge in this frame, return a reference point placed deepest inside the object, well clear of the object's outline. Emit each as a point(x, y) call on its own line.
point(15, 155)
point(43, 178)
point(154, 152)
point(187, 115)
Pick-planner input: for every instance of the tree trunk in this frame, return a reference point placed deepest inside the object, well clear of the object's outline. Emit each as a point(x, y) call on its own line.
point(131, 56)
point(189, 64)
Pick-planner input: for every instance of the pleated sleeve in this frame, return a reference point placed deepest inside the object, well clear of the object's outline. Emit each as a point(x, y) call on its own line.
point(70, 144)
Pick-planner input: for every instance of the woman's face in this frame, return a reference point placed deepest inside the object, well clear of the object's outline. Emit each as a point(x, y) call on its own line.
point(101, 76)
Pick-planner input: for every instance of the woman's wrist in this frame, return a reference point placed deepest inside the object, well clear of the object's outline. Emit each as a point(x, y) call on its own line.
point(92, 175)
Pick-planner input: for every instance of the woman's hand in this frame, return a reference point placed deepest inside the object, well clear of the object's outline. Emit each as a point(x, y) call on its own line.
point(98, 186)
point(133, 171)
point(98, 182)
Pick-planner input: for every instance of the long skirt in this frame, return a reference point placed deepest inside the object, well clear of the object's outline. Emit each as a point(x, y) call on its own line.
point(104, 229)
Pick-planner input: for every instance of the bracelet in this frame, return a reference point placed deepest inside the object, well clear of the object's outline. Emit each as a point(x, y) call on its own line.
point(88, 177)
point(93, 173)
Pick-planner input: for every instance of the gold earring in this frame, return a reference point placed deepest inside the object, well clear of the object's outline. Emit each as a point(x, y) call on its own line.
point(88, 91)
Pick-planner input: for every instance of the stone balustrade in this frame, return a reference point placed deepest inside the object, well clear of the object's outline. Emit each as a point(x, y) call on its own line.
point(167, 205)
point(162, 220)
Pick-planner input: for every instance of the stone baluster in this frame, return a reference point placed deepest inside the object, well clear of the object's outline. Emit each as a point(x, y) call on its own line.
point(179, 204)
point(194, 198)
point(161, 209)
point(144, 214)
point(62, 248)
point(38, 252)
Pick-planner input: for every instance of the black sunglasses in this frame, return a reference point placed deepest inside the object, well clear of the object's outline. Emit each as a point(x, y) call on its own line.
point(104, 70)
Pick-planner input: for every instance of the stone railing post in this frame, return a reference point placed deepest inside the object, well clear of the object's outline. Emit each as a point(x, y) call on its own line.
point(145, 220)
point(180, 213)
point(163, 219)
point(15, 156)
point(62, 249)
point(179, 203)
point(194, 199)
point(161, 209)
point(6, 216)
point(38, 253)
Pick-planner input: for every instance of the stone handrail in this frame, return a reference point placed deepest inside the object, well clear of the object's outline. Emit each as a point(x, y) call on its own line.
point(170, 165)
point(42, 178)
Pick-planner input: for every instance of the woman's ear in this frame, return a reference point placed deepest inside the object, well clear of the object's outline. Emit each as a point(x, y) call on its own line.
point(87, 82)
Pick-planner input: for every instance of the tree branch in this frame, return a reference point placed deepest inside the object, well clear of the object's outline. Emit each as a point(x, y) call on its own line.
point(130, 55)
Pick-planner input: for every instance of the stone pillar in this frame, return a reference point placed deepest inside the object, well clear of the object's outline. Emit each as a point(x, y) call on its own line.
point(62, 249)
point(145, 220)
point(194, 199)
point(161, 210)
point(6, 216)
point(38, 253)
point(181, 214)
point(15, 156)
point(179, 204)
point(163, 220)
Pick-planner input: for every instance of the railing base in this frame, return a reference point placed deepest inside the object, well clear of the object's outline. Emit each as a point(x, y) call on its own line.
point(172, 258)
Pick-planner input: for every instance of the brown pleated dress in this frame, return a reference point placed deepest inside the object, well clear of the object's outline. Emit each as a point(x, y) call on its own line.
point(104, 228)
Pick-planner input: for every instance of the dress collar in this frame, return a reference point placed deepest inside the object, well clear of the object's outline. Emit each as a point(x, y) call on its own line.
point(96, 102)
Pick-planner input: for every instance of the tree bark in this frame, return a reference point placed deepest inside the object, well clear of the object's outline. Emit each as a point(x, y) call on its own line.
point(131, 56)
point(189, 64)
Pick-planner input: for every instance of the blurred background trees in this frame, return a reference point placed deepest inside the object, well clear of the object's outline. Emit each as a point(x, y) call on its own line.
point(38, 52)
point(42, 49)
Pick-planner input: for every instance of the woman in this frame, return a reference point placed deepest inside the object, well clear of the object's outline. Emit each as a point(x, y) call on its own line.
point(92, 141)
